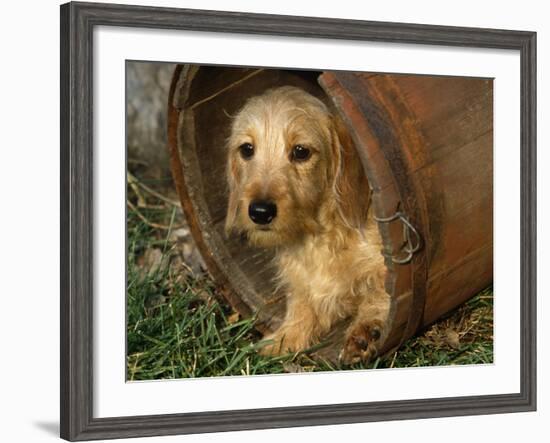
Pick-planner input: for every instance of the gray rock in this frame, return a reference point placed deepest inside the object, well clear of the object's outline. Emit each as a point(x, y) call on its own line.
point(147, 90)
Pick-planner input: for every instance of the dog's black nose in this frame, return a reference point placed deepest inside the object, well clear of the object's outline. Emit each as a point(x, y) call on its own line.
point(262, 212)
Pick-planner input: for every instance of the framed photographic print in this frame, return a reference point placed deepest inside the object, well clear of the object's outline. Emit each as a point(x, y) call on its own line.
point(265, 219)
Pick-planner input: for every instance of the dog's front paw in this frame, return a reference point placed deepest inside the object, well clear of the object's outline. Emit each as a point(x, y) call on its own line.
point(362, 341)
point(272, 346)
point(284, 341)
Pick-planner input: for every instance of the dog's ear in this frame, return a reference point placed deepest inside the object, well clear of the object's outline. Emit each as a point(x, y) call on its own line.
point(233, 200)
point(350, 185)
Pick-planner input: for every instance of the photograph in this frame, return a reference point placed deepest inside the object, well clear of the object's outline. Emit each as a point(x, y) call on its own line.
point(286, 220)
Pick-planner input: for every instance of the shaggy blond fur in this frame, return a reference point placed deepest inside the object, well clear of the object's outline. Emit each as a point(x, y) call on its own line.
point(328, 248)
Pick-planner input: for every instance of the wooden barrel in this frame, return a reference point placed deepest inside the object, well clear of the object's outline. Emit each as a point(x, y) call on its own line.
point(426, 143)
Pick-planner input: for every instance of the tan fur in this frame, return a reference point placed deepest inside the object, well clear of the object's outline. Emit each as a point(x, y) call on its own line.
point(328, 249)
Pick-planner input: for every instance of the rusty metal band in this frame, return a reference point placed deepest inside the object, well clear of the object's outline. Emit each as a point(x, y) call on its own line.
point(379, 122)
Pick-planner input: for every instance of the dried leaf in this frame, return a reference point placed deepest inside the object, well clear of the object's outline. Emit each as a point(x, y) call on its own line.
point(292, 367)
point(152, 261)
point(452, 338)
point(233, 318)
point(180, 234)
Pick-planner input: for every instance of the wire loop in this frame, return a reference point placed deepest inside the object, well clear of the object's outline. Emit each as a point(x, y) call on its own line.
point(411, 244)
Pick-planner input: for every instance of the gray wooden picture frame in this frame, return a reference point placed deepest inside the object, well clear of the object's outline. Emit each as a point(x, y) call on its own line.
point(77, 24)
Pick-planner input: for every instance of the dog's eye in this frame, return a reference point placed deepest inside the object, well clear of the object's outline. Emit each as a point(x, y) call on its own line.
point(300, 153)
point(246, 150)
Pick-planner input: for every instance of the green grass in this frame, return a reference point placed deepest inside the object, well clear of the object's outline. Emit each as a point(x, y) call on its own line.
point(177, 327)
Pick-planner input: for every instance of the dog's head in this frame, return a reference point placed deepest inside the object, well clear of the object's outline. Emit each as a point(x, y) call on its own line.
point(292, 169)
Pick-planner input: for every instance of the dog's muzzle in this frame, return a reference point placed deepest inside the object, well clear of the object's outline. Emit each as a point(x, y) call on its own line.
point(262, 212)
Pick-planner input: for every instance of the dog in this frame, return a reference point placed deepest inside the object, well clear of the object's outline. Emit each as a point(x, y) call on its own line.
point(297, 184)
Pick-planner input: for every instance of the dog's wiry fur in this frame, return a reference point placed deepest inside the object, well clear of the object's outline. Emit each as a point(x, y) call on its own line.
point(328, 248)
